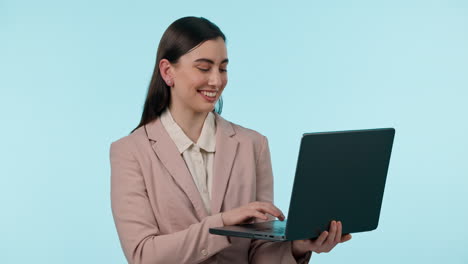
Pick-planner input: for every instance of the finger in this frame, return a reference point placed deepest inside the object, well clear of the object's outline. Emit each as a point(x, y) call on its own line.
point(270, 209)
point(331, 236)
point(346, 237)
point(279, 214)
point(250, 216)
point(319, 241)
point(339, 229)
point(257, 214)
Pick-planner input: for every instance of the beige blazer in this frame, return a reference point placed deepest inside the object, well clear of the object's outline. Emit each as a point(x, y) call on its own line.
point(159, 213)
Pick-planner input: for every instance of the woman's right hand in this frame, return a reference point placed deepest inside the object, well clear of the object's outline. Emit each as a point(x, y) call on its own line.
point(248, 213)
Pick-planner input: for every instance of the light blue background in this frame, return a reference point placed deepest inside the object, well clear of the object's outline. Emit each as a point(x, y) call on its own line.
point(74, 77)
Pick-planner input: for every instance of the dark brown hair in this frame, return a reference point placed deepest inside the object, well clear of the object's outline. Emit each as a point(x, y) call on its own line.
point(179, 38)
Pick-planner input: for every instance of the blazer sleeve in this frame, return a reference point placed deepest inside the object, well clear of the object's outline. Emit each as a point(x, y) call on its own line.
point(262, 251)
point(137, 226)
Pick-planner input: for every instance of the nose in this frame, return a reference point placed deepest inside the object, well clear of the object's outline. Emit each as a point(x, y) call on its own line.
point(215, 80)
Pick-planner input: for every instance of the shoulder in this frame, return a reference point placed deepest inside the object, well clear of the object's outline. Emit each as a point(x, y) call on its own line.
point(130, 143)
point(242, 134)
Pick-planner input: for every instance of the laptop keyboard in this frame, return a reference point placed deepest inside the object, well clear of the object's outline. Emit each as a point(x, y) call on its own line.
point(272, 228)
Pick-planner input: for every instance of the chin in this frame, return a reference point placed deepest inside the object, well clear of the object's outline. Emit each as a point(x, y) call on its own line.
point(204, 109)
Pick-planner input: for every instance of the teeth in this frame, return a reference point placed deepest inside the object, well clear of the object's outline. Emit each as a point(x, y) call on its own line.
point(209, 94)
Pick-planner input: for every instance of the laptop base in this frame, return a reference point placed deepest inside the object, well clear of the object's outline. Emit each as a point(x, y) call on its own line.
point(271, 230)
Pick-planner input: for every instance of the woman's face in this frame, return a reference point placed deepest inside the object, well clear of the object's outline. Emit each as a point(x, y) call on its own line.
point(199, 77)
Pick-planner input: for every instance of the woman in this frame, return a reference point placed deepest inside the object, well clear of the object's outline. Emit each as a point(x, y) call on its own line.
point(185, 169)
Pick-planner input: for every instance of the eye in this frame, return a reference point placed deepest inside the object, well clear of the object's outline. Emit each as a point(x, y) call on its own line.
point(223, 70)
point(203, 69)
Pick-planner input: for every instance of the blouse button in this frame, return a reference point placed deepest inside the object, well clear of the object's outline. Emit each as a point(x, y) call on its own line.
point(204, 252)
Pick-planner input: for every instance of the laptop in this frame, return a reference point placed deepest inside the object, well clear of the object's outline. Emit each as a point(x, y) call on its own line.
point(339, 176)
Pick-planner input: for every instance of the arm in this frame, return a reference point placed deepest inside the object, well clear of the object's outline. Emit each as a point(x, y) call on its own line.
point(262, 251)
point(137, 226)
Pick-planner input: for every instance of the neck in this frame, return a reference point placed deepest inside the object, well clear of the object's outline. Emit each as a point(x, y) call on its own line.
point(190, 122)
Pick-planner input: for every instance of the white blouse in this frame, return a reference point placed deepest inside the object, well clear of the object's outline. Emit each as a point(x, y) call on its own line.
point(199, 156)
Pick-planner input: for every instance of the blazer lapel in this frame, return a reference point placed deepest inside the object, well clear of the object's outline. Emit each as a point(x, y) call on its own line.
point(167, 152)
point(226, 148)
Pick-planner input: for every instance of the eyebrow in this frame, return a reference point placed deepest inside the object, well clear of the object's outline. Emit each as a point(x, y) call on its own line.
point(210, 61)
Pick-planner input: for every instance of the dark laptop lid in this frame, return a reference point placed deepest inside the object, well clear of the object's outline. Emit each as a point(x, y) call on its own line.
point(339, 176)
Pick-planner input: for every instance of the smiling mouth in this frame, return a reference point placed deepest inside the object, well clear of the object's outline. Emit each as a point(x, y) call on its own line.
point(209, 94)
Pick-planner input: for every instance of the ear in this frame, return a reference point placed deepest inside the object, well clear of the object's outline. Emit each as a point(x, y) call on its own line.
point(167, 71)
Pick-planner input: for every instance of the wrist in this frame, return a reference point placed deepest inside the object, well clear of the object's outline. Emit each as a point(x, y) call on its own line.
point(222, 219)
point(297, 251)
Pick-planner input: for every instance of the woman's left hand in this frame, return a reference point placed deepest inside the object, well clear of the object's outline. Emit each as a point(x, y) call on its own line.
point(324, 243)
